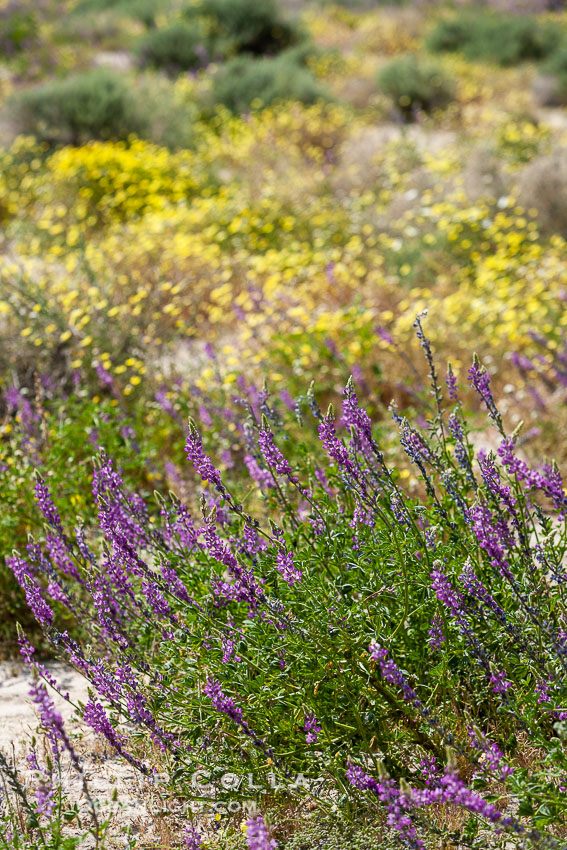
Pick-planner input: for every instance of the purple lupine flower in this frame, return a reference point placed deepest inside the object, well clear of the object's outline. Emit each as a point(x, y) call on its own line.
point(179, 526)
point(318, 525)
point(334, 446)
point(499, 682)
point(23, 574)
point(548, 480)
point(263, 477)
point(451, 383)
point(244, 587)
point(251, 542)
point(444, 590)
point(491, 477)
point(413, 443)
point(271, 453)
point(452, 789)
point(202, 463)
point(60, 557)
point(476, 588)
point(363, 515)
point(192, 840)
point(542, 690)
point(104, 375)
point(285, 566)
point(435, 632)
point(223, 704)
point(461, 452)
point(229, 643)
point(311, 728)
point(51, 721)
point(384, 335)
point(396, 803)
point(356, 417)
point(166, 405)
point(392, 673)
point(523, 363)
point(95, 717)
point(480, 380)
point(226, 705)
point(429, 770)
point(12, 397)
point(492, 758)
point(45, 797)
point(493, 535)
point(257, 835)
point(45, 503)
point(204, 416)
point(287, 399)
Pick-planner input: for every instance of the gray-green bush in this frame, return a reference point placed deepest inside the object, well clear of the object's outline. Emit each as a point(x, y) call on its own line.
point(415, 85)
point(181, 46)
point(244, 80)
point(501, 39)
point(92, 105)
point(247, 26)
point(142, 10)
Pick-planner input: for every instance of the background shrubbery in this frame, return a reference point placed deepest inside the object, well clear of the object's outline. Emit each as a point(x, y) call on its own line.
point(93, 105)
point(244, 82)
point(212, 194)
point(416, 85)
point(502, 39)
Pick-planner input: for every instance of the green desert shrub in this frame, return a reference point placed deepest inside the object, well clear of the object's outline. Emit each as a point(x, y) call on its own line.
point(101, 104)
point(247, 26)
point(450, 35)
point(91, 105)
point(244, 80)
point(178, 47)
point(415, 84)
point(18, 28)
point(501, 39)
point(168, 120)
point(557, 65)
point(141, 10)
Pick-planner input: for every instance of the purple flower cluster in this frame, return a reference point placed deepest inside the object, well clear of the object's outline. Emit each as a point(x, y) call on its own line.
point(478, 591)
point(257, 835)
point(396, 803)
point(492, 758)
point(493, 535)
point(445, 788)
point(311, 728)
point(451, 382)
point(356, 418)
point(23, 574)
point(285, 566)
point(435, 632)
point(223, 704)
point(202, 463)
point(261, 476)
point(480, 380)
point(46, 505)
point(392, 673)
point(548, 481)
point(444, 590)
point(499, 683)
point(335, 447)
point(271, 453)
point(192, 840)
point(96, 717)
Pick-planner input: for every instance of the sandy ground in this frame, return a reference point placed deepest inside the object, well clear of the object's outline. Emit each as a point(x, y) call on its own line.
point(105, 773)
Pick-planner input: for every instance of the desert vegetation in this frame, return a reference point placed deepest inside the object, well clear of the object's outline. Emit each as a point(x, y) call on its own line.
point(282, 415)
